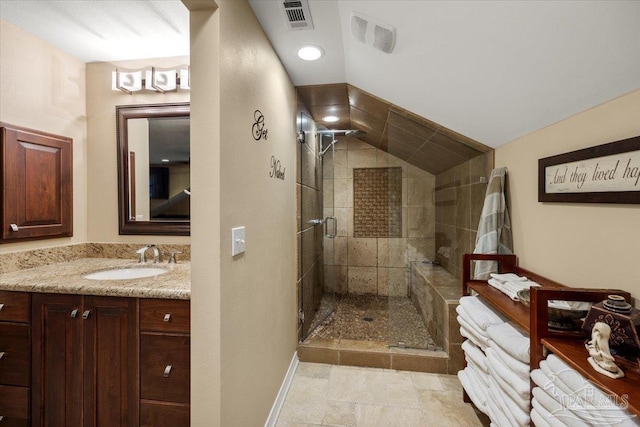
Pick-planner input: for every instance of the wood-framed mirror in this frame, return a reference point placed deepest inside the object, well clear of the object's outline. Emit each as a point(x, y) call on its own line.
point(154, 188)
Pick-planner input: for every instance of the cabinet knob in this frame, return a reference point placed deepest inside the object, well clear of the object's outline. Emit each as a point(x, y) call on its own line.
point(2, 354)
point(86, 314)
point(1, 307)
point(74, 313)
point(167, 371)
point(1, 417)
point(167, 317)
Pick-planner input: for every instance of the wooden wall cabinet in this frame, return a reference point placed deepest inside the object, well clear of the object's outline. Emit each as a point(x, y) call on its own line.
point(15, 352)
point(84, 361)
point(37, 185)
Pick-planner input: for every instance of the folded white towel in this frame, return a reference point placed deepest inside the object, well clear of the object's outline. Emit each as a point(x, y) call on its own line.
point(511, 288)
point(519, 368)
point(474, 353)
point(538, 419)
point(507, 277)
point(511, 340)
point(483, 377)
point(516, 415)
point(474, 390)
point(497, 416)
point(556, 409)
point(483, 314)
point(467, 318)
point(551, 420)
point(509, 382)
point(580, 387)
point(467, 331)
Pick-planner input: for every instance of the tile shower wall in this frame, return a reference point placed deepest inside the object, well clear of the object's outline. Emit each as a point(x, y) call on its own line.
point(370, 265)
point(459, 195)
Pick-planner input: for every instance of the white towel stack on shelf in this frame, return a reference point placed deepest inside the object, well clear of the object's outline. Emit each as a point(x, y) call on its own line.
point(563, 397)
point(474, 318)
point(510, 284)
point(508, 363)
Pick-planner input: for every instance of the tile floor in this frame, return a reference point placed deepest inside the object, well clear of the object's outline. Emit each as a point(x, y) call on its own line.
point(331, 395)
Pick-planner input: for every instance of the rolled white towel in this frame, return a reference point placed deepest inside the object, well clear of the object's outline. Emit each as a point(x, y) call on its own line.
point(512, 341)
point(519, 368)
point(580, 387)
point(553, 421)
point(497, 416)
point(509, 382)
point(467, 318)
point(561, 392)
point(467, 331)
point(538, 419)
point(556, 409)
point(483, 314)
point(474, 353)
point(516, 415)
point(473, 390)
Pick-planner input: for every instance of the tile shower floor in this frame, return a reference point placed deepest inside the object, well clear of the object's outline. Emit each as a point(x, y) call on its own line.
point(388, 320)
point(330, 395)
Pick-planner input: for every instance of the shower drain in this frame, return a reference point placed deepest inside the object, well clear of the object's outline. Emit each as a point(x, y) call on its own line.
point(368, 319)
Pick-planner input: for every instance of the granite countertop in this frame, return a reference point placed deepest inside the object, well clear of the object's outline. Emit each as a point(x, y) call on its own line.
point(67, 278)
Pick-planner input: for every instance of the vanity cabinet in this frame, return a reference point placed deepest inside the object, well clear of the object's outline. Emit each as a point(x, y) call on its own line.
point(15, 354)
point(37, 184)
point(164, 363)
point(84, 360)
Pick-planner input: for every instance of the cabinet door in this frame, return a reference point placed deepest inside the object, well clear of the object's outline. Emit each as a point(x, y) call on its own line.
point(37, 184)
point(56, 360)
point(110, 361)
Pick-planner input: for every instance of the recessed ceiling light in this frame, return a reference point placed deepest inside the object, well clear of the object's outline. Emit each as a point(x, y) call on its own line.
point(310, 53)
point(330, 119)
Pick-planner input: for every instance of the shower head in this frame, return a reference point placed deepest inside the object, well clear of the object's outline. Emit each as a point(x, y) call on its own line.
point(354, 133)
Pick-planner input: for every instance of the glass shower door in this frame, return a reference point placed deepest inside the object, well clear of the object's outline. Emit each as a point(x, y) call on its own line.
point(317, 301)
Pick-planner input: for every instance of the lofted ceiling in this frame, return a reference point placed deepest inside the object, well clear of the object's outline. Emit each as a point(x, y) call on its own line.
point(490, 70)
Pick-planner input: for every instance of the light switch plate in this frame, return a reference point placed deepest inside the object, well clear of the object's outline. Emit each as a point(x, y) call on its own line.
point(237, 241)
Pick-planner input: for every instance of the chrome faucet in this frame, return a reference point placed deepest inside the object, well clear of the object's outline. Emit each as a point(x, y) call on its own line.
point(157, 255)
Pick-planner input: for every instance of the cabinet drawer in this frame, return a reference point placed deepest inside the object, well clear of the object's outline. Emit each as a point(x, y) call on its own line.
point(15, 354)
point(164, 315)
point(14, 402)
point(157, 414)
point(164, 367)
point(15, 306)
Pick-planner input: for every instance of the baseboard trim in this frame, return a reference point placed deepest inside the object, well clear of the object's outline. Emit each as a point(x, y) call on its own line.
point(282, 393)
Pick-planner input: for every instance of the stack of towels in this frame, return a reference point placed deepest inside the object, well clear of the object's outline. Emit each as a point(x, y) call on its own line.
point(563, 397)
point(475, 318)
point(508, 363)
point(510, 284)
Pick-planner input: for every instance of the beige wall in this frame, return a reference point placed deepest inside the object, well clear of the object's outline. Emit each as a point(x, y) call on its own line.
point(580, 245)
point(43, 88)
point(102, 200)
point(244, 307)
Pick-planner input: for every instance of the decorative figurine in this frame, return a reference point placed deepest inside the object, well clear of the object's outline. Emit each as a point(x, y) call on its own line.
point(599, 355)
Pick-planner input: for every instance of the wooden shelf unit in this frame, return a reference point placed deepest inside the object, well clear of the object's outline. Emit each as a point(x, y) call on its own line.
point(568, 345)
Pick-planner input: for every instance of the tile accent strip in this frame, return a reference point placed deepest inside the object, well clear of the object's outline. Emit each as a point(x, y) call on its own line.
point(377, 202)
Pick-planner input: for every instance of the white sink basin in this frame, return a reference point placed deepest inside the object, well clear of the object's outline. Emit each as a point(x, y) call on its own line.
point(126, 273)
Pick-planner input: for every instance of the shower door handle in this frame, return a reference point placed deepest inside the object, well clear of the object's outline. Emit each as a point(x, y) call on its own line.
point(331, 227)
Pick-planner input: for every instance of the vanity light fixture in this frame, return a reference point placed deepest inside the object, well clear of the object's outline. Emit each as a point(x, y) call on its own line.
point(310, 53)
point(330, 119)
point(152, 79)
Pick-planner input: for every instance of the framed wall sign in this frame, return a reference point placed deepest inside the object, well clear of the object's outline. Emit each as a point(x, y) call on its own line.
point(608, 173)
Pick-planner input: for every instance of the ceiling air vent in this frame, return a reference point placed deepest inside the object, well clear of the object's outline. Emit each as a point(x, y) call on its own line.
point(297, 15)
point(372, 33)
